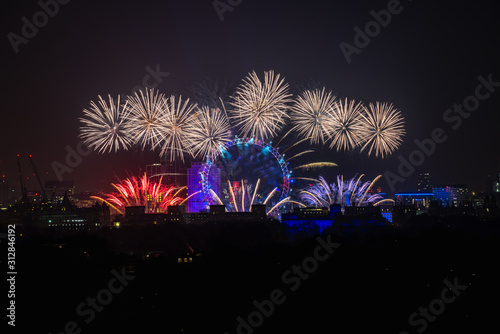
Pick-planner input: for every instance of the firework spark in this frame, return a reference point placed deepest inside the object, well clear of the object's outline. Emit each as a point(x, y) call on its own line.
point(260, 107)
point(146, 112)
point(209, 131)
point(135, 191)
point(346, 125)
point(344, 193)
point(176, 128)
point(383, 129)
point(312, 114)
point(105, 127)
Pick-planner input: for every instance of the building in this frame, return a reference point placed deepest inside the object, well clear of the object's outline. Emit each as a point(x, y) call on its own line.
point(84, 200)
point(197, 203)
point(66, 216)
point(171, 173)
point(386, 211)
point(177, 214)
point(420, 200)
point(56, 190)
point(362, 219)
point(451, 195)
point(424, 184)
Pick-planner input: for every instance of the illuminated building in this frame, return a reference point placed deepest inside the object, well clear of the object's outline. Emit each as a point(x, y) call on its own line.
point(451, 194)
point(171, 173)
point(197, 203)
point(56, 190)
point(419, 200)
point(362, 219)
point(66, 216)
point(424, 183)
point(386, 211)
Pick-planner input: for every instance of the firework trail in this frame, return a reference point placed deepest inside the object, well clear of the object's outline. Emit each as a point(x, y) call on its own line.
point(346, 125)
point(316, 165)
point(146, 112)
point(284, 201)
point(176, 128)
point(382, 130)
point(260, 107)
point(209, 130)
point(105, 126)
point(135, 191)
point(312, 114)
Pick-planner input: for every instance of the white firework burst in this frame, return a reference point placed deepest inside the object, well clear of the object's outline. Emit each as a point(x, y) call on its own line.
point(382, 130)
point(344, 131)
point(312, 114)
point(176, 128)
point(260, 107)
point(146, 112)
point(105, 126)
point(210, 129)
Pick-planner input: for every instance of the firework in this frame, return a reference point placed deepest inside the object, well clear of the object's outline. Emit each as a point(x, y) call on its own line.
point(146, 112)
point(176, 128)
point(105, 127)
point(344, 130)
point(343, 193)
point(210, 129)
point(135, 191)
point(316, 165)
point(382, 130)
point(260, 108)
point(312, 114)
point(240, 191)
point(263, 167)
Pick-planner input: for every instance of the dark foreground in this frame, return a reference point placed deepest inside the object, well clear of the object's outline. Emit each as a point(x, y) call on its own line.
point(253, 279)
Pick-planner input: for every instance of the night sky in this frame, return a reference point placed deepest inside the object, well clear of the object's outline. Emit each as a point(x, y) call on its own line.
point(427, 59)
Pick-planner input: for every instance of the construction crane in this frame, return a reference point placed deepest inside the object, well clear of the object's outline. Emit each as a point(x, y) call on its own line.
point(44, 198)
point(24, 192)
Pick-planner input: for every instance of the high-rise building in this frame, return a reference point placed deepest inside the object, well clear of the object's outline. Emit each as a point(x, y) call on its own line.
point(197, 203)
point(451, 194)
point(424, 183)
point(171, 173)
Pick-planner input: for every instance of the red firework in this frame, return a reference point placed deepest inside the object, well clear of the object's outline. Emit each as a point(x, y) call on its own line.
point(139, 191)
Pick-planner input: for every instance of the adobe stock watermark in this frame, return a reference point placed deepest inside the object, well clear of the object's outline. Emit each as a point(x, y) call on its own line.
point(222, 6)
point(293, 279)
point(427, 146)
point(420, 319)
point(152, 79)
point(87, 309)
point(29, 29)
point(74, 158)
point(372, 29)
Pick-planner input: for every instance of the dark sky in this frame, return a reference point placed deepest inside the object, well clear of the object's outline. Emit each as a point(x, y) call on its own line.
point(425, 60)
